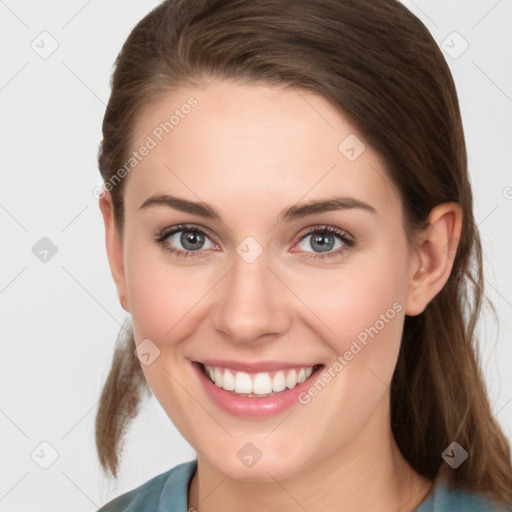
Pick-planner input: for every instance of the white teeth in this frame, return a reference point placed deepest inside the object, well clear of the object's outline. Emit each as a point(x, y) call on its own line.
point(278, 382)
point(218, 377)
point(243, 383)
point(291, 379)
point(261, 384)
point(228, 382)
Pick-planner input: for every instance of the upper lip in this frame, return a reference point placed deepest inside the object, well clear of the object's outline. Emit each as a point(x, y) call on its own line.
point(254, 366)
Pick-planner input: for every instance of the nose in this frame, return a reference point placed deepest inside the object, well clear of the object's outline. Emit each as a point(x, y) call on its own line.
point(253, 303)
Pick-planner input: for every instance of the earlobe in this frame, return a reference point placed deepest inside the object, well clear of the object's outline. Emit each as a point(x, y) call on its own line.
point(435, 252)
point(114, 248)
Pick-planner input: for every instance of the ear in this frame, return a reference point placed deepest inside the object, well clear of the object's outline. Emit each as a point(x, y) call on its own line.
point(436, 247)
point(114, 248)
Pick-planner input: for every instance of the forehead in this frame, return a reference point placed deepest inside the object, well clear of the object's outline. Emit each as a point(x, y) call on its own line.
point(263, 143)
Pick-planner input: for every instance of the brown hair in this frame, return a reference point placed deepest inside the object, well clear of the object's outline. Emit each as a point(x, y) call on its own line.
point(379, 66)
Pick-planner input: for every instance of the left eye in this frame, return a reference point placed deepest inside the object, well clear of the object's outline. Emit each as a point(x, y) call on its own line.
point(323, 240)
point(190, 239)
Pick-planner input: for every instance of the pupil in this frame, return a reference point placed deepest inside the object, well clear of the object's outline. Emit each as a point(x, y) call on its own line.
point(323, 241)
point(190, 239)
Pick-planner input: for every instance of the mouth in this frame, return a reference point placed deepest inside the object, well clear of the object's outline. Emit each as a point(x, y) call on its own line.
point(261, 384)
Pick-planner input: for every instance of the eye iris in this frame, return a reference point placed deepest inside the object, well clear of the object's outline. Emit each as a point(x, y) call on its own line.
point(191, 240)
point(325, 241)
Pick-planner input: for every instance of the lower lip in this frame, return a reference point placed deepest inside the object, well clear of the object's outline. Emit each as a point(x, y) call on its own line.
point(254, 407)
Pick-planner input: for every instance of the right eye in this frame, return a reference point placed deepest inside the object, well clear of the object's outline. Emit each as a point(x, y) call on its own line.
point(191, 238)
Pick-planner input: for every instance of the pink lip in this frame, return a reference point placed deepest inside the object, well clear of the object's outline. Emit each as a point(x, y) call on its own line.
point(247, 407)
point(251, 367)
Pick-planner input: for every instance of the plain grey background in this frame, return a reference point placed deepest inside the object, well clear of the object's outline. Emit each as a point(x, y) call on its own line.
point(60, 317)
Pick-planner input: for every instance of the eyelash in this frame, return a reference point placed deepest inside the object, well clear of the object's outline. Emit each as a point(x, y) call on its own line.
point(161, 238)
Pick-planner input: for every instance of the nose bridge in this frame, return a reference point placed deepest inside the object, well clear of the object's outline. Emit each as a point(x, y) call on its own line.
point(253, 301)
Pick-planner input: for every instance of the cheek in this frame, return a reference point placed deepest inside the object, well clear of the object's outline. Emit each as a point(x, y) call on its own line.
point(162, 297)
point(161, 294)
point(361, 309)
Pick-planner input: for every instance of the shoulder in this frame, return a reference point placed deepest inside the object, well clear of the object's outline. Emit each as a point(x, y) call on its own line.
point(444, 498)
point(165, 492)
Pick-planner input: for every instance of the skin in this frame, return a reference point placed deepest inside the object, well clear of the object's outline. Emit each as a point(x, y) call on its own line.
point(250, 151)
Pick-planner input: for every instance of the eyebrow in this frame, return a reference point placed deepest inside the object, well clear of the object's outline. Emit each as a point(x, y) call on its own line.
point(296, 211)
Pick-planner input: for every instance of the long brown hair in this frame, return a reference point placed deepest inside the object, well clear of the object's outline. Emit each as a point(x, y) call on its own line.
point(379, 66)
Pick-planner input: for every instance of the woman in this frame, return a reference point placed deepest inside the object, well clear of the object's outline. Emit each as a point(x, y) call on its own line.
point(289, 223)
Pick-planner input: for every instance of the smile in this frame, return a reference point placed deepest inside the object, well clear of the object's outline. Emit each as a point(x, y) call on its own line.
point(254, 390)
point(260, 384)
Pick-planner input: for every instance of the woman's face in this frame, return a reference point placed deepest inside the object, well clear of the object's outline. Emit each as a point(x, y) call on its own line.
point(253, 286)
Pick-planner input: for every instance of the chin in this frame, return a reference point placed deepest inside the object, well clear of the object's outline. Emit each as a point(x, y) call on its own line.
point(267, 469)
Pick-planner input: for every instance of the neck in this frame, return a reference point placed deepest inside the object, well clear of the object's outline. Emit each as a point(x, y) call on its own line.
point(370, 474)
